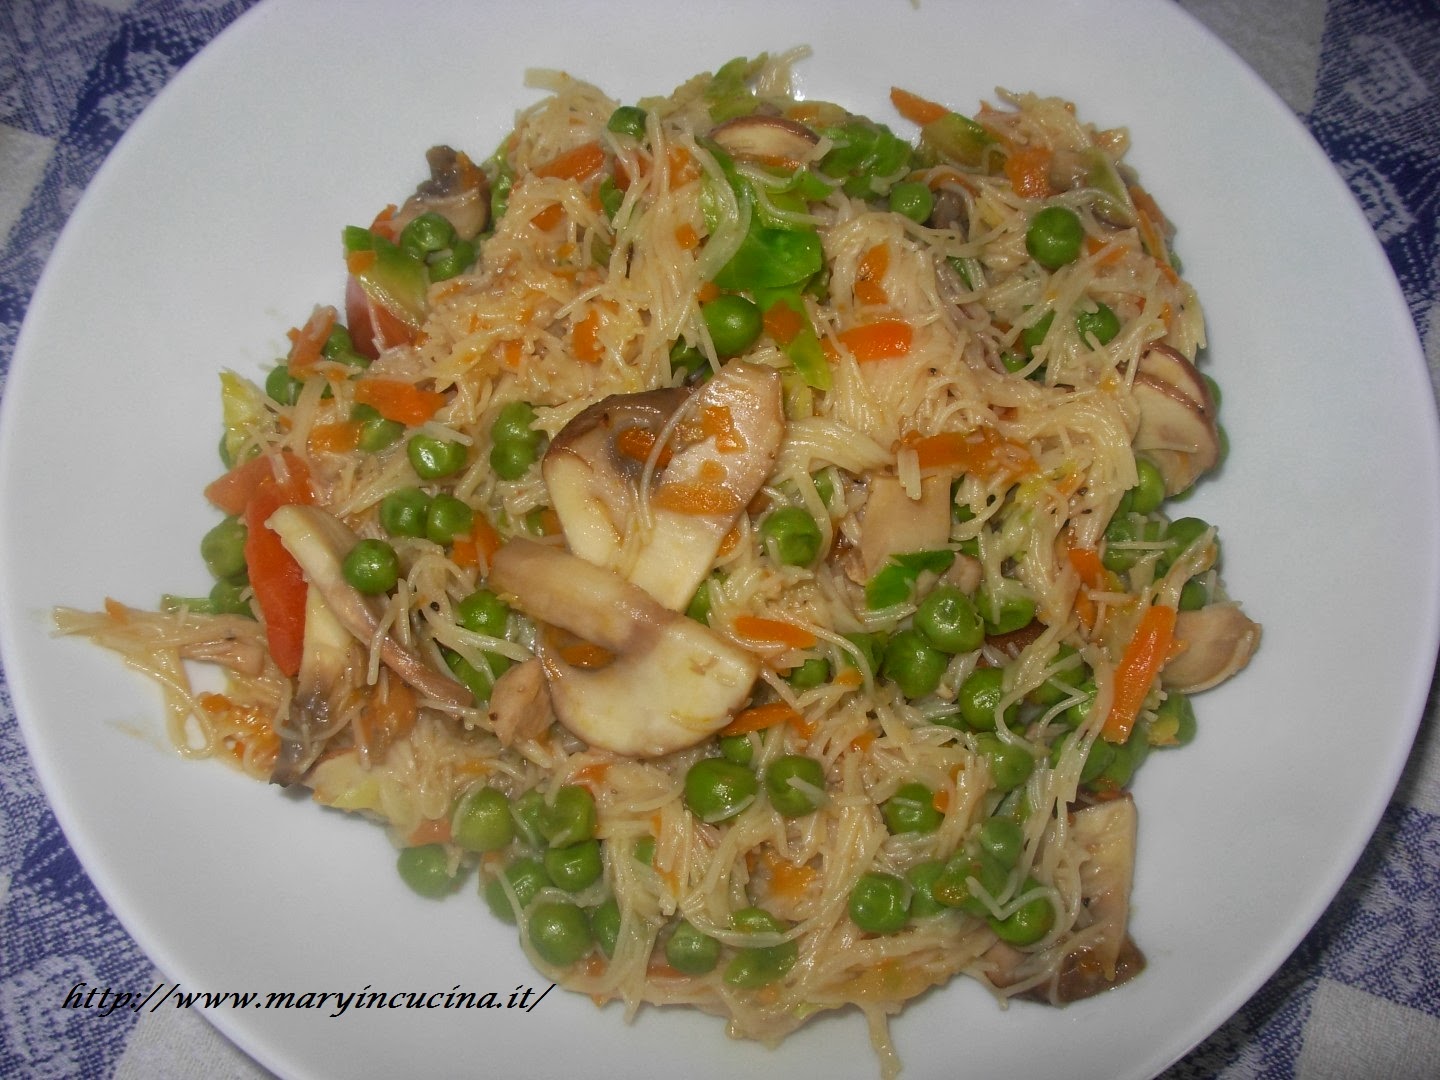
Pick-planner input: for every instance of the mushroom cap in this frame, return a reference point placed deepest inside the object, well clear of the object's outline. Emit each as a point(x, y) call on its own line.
point(1177, 426)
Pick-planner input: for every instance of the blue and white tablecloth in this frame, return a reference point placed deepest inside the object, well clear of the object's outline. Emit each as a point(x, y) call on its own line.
point(1359, 998)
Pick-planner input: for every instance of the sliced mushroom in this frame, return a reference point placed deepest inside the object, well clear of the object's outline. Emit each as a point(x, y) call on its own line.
point(457, 190)
point(1218, 641)
point(672, 681)
point(325, 686)
point(593, 465)
point(319, 542)
point(895, 524)
point(1177, 428)
point(768, 140)
point(723, 448)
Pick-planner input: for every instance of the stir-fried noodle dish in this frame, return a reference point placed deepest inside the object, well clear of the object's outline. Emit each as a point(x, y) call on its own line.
point(741, 542)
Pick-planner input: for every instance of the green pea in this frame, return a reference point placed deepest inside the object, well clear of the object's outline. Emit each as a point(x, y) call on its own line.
point(1149, 490)
point(911, 809)
point(979, 697)
point(281, 387)
point(716, 789)
point(376, 433)
point(605, 924)
point(690, 951)
point(734, 323)
point(686, 358)
point(1180, 535)
point(812, 672)
point(340, 347)
point(948, 619)
point(228, 598)
point(483, 612)
point(1097, 759)
point(785, 796)
point(627, 120)
point(427, 233)
point(1125, 531)
point(871, 647)
point(921, 878)
point(526, 876)
point(1127, 759)
point(1033, 335)
point(1174, 723)
point(1010, 764)
point(1058, 687)
point(791, 536)
point(570, 818)
point(913, 664)
point(737, 748)
point(1079, 712)
point(951, 887)
point(1054, 237)
point(403, 512)
point(880, 903)
point(1193, 595)
point(700, 604)
point(1002, 839)
point(1102, 323)
point(559, 932)
point(453, 261)
point(529, 811)
point(912, 199)
point(514, 423)
point(645, 850)
point(611, 197)
point(372, 567)
point(426, 869)
point(482, 821)
point(1012, 610)
point(759, 965)
point(575, 866)
point(447, 518)
point(512, 460)
point(433, 459)
point(223, 548)
point(1027, 924)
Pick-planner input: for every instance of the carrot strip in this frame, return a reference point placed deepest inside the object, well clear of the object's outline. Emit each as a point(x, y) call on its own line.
point(983, 451)
point(275, 576)
point(916, 109)
point(307, 341)
point(581, 163)
point(783, 323)
point(585, 338)
point(403, 402)
point(340, 437)
point(1140, 664)
point(687, 237)
point(233, 490)
point(870, 274)
point(882, 340)
point(773, 631)
point(1028, 170)
point(760, 717)
point(548, 218)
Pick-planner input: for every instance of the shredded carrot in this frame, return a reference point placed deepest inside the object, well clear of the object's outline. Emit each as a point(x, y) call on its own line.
point(864, 740)
point(941, 800)
point(357, 262)
point(1028, 170)
point(849, 678)
point(1140, 664)
point(916, 109)
point(788, 880)
point(585, 338)
point(983, 451)
point(592, 772)
point(340, 437)
point(773, 631)
point(403, 402)
point(1086, 562)
point(433, 831)
point(511, 352)
point(760, 717)
point(729, 541)
point(783, 323)
point(707, 291)
point(384, 224)
point(307, 341)
point(870, 274)
point(479, 547)
point(696, 497)
point(581, 163)
point(882, 340)
point(276, 578)
point(548, 218)
point(687, 237)
point(584, 654)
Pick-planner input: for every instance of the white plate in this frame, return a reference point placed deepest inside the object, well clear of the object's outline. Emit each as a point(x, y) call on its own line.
point(214, 227)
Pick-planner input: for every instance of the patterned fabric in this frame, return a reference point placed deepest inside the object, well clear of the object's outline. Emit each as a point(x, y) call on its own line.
point(1361, 994)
